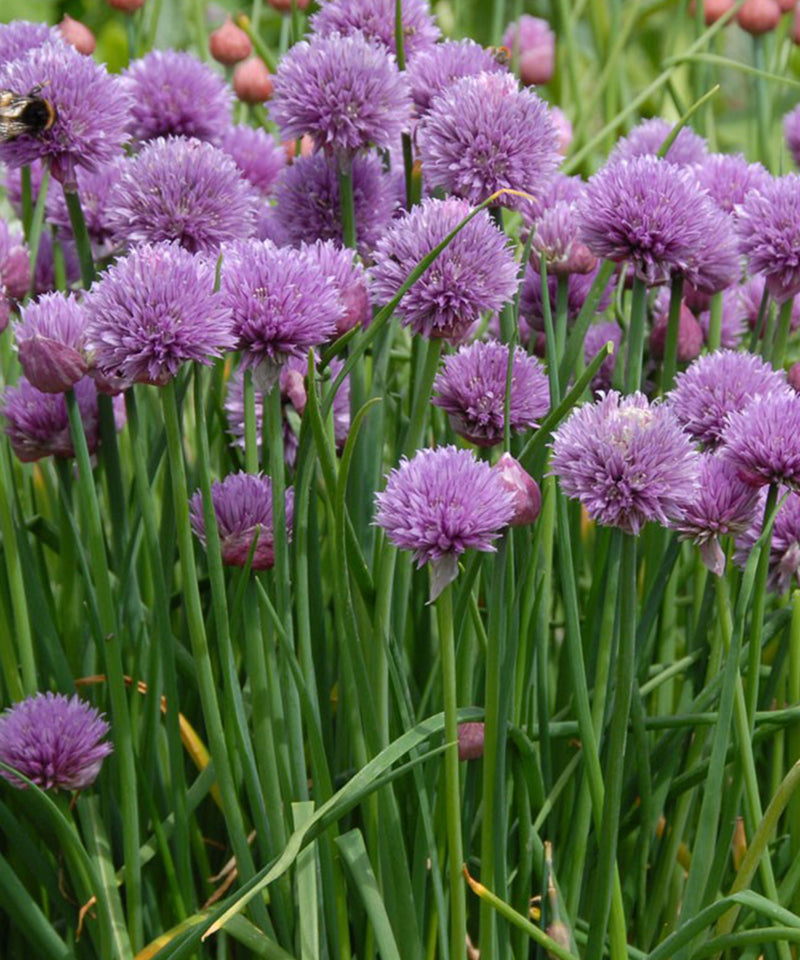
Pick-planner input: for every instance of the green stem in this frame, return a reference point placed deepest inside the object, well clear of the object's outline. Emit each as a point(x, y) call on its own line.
point(458, 909)
point(758, 608)
point(673, 328)
point(763, 109)
point(782, 336)
point(715, 323)
point(793, 694)
point(112, 652)
point(633, 367)
point(616, 747)
point(27, 199)
point(250, 423)
point(347, 203)
point(201, 653)
point(83, 244)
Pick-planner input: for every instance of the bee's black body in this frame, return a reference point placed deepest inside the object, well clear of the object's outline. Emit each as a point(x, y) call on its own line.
point(24, 115)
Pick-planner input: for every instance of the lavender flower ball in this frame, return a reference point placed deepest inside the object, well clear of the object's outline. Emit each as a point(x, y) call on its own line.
point(243, 507)
point(763, 440)
point(784, 550)
point(559, 189)
point(434, 70)
point(654, 214)
point(728, 178)
point(768, 228)
point(483, 134)
point(183, 190)
point(471, 388)
point(53, 740)
point(723, 505)
point(281, 303)
point(556, 239)
point(534, 44)
point(175, 94)
point(718, 385)
point(259, 158)
point(50, 342)
point(791, 130)
point(95, 189)
point(646, 139)
point(476, 272)
point(375, 19)
point(597, 336)
point(442, 502)
point(349, 279)
point(153, 311)
point(308, 207)
point(91, 107)
point(627, 461)
point(37, 425)
point(20, 36)
point(346, 92)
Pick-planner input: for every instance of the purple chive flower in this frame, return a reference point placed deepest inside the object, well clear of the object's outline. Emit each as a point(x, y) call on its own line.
point(20, 36)
point(259, 158)
point(308, 207)
point(433, 71)
point(269, 227)
point(718, 385)
point(556, 239)
point(348, 277)
point(722, 505)
point(533, 43)
point(784, 550)
point(184, 190)
point(440, 503)
point(483, 134)
point(768, 228)
point(627, 461)
point(346, 92)
point(763, 440)
point(95, 189)
point(243, 507)
point(728, 178)
point(791, 130)
point(654, 214)
point(175, 94)
point(50, 341)
point(37, 425)
point(560, 188)
point(53, 740)
point(91, 111)
point(597, 336)
point(733, 320)
point(476, 272)
point(282, 304)
point(154, 310)
point(375, 19)
point(471, 388)
point(646, 139)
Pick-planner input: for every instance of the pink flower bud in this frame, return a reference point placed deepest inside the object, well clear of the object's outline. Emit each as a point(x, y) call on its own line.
point(758, 16)
point(229, 44)
point(357, 309)
point(690, 336)
point(293, 386)
point(126, 6)
point(290, 148)
point(793, 376)
point(51, 366)
point(251, 81)
point(787, 5)
point(285, 6)
point(15, 272)
point(524, 489)
point(5, 310)
point(714, 9)
point(563, 128)
point(470, 741)
point(78, 35)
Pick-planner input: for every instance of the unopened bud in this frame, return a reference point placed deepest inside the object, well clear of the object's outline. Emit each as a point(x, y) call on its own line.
point(690, 336)
point(252, 82)
point(786, 5)
point(15, 272)
point(126, 6)
point(293, 387)
point(356, 308)
point(49, 365)
point(470, 741)
point(563, 128)
point(793, 376)
point(290, 148)
point(285, 6)
point(78, 35)
point(229, 44)
point(522, 487)
point(758, 16)
point(713, 9)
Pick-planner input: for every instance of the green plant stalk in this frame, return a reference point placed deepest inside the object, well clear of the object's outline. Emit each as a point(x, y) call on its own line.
point(715, 323)
point(200, 29)
point(27, 200)
point(197, 632)
point(458, 908)
point(673, 327)
point(36, 224)
point(793, 693)
point(616, 746)
point(757, 611)
point(562, 290)
point(122, 732)
point(83, 244)
point(250, 423)
point(282, 580)
point(763, 109)
point(347, 204)
point(166, 643)
point(633, 366)
point(782, 335)
point(16, 584)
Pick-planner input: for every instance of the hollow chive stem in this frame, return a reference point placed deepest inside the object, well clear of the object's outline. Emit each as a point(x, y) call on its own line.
point(673, 329)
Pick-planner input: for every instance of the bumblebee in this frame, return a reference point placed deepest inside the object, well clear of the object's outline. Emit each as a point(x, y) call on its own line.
point(21, 115)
